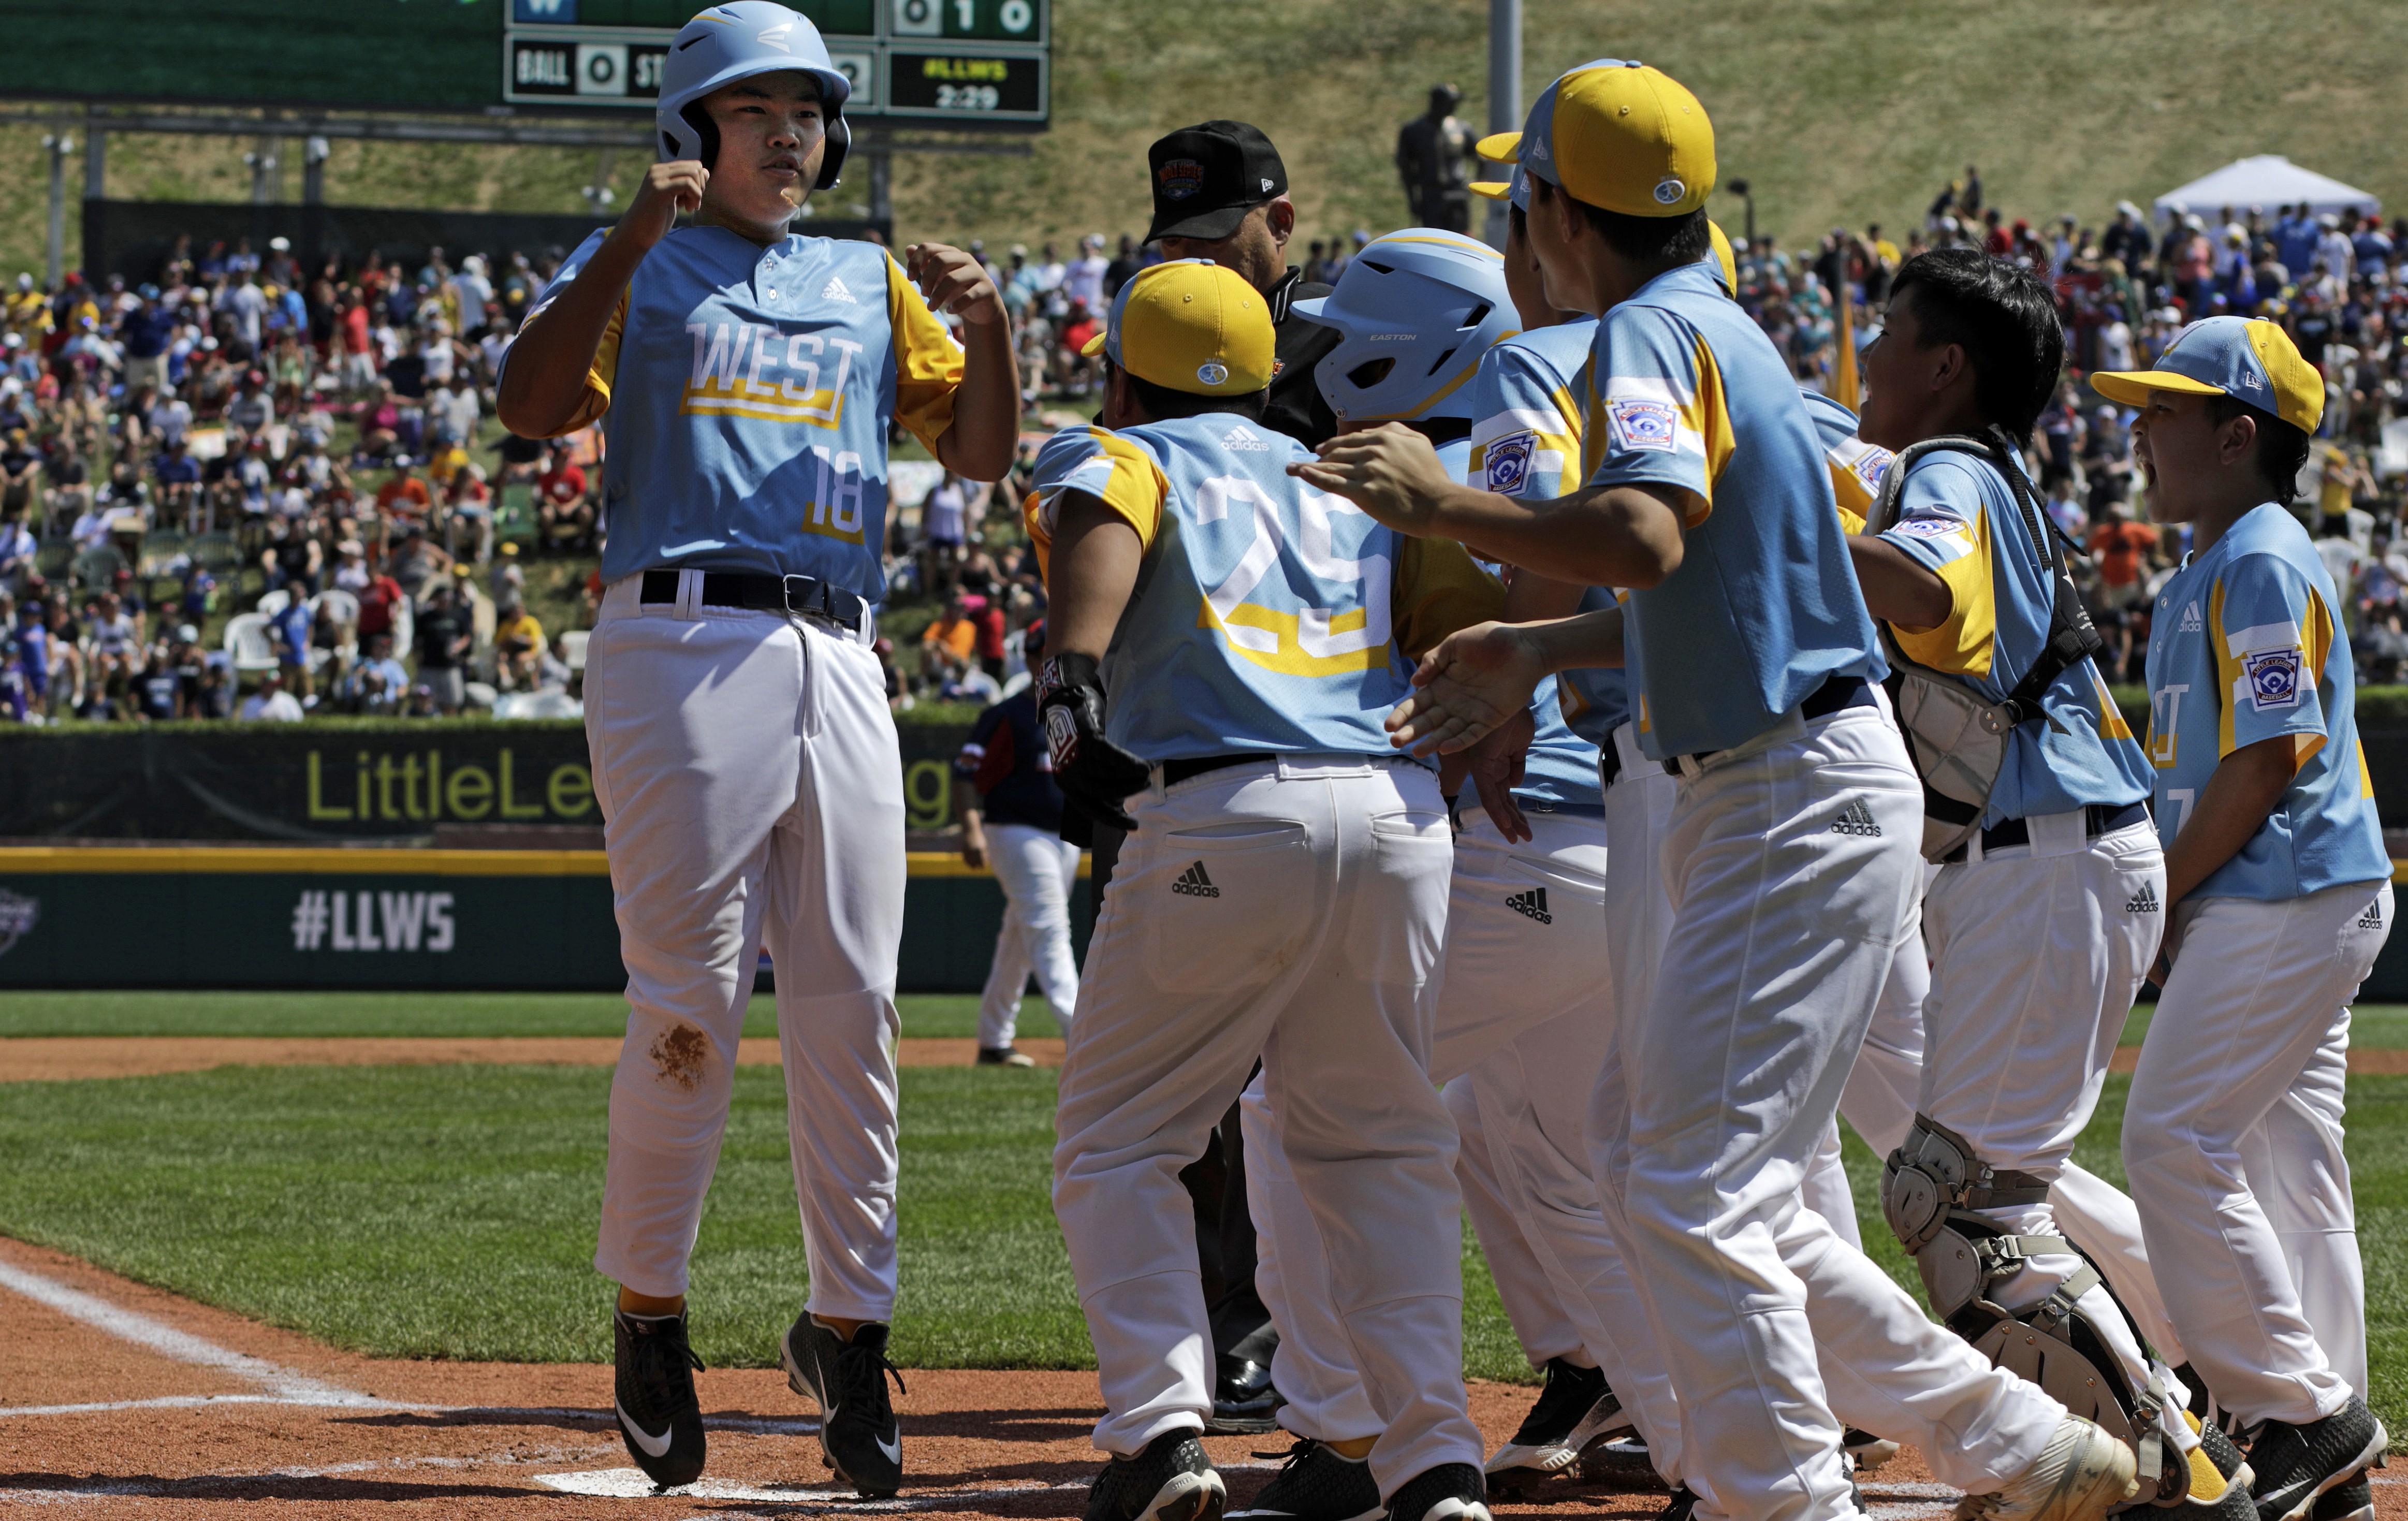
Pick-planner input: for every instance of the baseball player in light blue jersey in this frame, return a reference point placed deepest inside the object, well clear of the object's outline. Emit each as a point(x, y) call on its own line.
point(746, 761)
point(2278, 888)
point(1282, 892)
point(2044, 917)
point(1517, 1031)
point(1790, 854)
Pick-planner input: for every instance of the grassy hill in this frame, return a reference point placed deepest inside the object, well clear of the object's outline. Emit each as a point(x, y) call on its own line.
point(1837, 110)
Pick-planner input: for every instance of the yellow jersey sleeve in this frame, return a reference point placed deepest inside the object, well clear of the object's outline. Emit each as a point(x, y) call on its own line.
point(1099, 463)
point(927, 361)
point(601, 376)
point(1438, 589)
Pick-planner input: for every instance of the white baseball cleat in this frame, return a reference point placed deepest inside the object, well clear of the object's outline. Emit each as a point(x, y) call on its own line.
point(2078, 1476)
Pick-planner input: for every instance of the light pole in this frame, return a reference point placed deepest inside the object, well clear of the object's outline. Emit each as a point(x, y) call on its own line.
point(58, 144)
point(1504, 90)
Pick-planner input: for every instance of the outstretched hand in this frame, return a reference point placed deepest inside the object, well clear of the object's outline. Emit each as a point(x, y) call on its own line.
point(1389, 471)
point(1473, 683)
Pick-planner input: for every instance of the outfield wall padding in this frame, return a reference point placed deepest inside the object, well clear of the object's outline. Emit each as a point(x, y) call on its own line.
point(301, 918)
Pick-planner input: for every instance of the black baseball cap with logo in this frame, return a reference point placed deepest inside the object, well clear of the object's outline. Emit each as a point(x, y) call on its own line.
point(1207, 178)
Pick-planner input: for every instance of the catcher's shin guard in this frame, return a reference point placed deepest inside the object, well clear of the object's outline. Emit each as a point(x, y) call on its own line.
point(1932, 1188)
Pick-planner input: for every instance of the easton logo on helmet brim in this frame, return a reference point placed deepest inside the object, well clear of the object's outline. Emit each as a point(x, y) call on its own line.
point(1180, 178)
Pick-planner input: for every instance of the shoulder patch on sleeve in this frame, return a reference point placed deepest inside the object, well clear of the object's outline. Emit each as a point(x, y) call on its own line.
point(1509, 461)
point(2274, 678)
point(1638, 424)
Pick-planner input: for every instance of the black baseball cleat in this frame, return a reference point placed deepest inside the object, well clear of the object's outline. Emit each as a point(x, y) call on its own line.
point(659, 1416)
point(1317, 1483)
point(1619, 1462)
point(859, 1436)
point(2298, 1465)
point(1449, 1492)
point(1244, 1402)
point(1683, 1503)
point(1171, 1480)
point(1004, 1056)
point(1576, 1407)
point(1868, 1451)
point(2350, 1501)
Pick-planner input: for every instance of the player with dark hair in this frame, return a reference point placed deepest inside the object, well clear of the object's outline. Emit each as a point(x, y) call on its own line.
point(743, 751)
point(2045, 913)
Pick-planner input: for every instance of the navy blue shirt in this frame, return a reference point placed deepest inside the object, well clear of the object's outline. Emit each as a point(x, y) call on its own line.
point(1007, 761)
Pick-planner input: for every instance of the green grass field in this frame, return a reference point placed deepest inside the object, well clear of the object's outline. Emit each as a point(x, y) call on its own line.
point(449, 1211)
point(447, 1015)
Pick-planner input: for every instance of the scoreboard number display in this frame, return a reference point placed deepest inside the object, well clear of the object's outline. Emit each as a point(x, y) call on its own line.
point(959, 63)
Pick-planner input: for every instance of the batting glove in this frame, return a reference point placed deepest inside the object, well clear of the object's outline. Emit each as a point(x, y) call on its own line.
point(1087, 767)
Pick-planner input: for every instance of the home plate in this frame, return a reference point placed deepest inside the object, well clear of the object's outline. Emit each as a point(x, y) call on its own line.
point(632, 1484)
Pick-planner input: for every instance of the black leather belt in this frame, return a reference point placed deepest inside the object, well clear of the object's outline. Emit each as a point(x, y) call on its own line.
point(806, 594)
point(1176, 771)
point(1838, 693)
point(2097, 819)
point(1608, 764)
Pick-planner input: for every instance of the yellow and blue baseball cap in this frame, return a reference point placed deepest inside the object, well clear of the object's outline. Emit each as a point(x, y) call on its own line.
point(1192, 325)
point(2247, 358)
point(1617, 135)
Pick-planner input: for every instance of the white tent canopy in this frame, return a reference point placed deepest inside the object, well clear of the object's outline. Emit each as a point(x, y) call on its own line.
point(2267, 180)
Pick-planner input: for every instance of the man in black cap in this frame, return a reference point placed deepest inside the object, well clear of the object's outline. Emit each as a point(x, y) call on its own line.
point(1220, 193)
point(1434, 154)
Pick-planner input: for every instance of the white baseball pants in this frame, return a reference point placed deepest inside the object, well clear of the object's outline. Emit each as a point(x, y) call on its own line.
point(1878, 1099)
point(1038, 869)
point(2233, 1142)
point(1293, 910)
point(1527, 1002)
point(751, 791)
point(1786, 914)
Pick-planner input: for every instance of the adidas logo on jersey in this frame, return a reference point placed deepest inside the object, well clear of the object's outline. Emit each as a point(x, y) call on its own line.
point(1858, 820)
point(836, 291)
point(2143, 901)
point(1532, 905)
point(2190, 620)
point(1245, 441)
point(1192, 882)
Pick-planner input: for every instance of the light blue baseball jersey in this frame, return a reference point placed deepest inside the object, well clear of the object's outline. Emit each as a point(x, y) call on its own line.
point(745, 394)
point(1857, 466)
point(2246, 645)
point(1561, 767)
point(1958, 519)
point(1268, 615)
point(1764, 609)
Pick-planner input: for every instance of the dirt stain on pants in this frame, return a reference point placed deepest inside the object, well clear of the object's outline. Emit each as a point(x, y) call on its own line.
point(679, 1054)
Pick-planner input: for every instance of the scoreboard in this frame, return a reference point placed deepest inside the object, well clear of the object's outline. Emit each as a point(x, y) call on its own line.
point(954, 64)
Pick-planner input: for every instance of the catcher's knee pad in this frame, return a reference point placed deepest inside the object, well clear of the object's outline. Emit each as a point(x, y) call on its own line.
point(1932, 1188)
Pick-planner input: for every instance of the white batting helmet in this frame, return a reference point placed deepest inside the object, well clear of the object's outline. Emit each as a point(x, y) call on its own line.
point(736, 41)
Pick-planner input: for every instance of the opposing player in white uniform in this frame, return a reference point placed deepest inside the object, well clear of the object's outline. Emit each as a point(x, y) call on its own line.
point(2280, 893)
point(1790, 853)
point(1282, 892)
point(2044, 915)
point(1520, 1025)
point(743, 753)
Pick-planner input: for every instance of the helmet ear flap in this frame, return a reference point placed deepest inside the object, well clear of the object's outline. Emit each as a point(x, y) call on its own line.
point(706, 133)
point(840, 138)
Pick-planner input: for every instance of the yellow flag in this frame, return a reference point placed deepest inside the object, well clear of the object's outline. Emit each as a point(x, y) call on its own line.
point(1846, 388)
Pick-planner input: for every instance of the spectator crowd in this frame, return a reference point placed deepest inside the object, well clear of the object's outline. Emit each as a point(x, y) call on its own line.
point(303, 462)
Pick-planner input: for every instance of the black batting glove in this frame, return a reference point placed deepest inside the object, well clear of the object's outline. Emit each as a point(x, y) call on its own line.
point(1086, 766)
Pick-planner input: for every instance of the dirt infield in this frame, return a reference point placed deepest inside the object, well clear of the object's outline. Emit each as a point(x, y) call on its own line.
point(121, 1400)
point(53, 1058)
